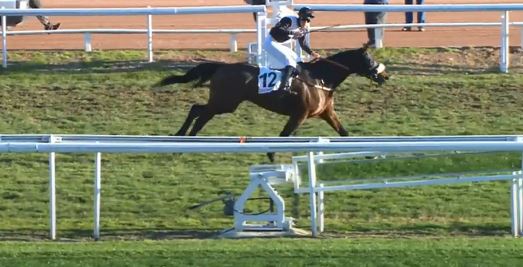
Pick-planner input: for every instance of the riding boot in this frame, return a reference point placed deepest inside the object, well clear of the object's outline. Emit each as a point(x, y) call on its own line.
point(286, 74)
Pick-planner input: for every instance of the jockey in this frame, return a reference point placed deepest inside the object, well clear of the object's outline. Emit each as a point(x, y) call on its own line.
point(289, 27)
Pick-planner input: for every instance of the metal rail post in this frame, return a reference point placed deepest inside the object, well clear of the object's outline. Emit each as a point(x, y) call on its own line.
point(312, 193)
point(321, 209)
point(97, 194)
point(4, 41)
point(260, 36)
point(505, 43)
point(52, 191)
point(150, 37)
point(87, 42)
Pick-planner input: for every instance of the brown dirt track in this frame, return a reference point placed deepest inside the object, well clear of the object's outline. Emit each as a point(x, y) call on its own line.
point(433, 37)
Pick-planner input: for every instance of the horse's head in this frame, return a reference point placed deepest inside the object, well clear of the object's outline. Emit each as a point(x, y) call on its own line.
point(371, 68)
point(360, 61)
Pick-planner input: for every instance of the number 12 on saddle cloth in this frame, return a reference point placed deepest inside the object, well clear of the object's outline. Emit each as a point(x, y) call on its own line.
point(268, 80)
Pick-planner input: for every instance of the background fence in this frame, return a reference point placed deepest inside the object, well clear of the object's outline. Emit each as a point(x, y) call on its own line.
point(503, 9)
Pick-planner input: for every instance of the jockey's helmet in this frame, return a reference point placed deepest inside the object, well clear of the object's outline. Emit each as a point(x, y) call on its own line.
point(305, 13)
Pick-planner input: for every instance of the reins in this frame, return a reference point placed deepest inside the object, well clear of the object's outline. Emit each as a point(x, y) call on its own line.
point(314, 85)
point(321, 86)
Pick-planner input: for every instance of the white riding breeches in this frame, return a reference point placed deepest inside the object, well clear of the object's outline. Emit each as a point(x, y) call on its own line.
point(279, 54)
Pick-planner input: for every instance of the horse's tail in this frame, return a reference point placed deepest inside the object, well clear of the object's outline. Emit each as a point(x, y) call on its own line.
point(202, 73)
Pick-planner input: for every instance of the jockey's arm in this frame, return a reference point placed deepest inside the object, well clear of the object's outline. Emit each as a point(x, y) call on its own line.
point(280, 32)
point(305, 47)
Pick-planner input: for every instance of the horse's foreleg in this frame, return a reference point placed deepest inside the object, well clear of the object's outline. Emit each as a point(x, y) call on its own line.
point(290, 127)
point(332, 119)
point(195, 112)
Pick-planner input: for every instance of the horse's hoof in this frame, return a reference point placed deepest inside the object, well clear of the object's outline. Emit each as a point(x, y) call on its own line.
point(270, 155)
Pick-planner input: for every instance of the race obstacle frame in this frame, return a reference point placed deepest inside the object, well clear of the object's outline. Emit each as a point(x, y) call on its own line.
point(98, 144)
point(317, 190)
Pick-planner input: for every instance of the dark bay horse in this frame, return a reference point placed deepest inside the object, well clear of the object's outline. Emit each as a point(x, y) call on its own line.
point(313, 89)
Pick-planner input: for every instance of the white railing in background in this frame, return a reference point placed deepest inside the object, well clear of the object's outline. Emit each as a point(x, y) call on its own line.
point(149, 12)
point(503, 8)
point(165, 144)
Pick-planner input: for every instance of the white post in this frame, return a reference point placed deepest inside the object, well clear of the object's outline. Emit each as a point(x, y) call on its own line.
point(521, 37)
point(97, 194)
point(52, 192)
point(233, 43)
point(87, 42)
point(379, 33)
point(260, 36)
point(520, 195)
point(312, 193)
point(150, 36)
point(320, 153)
point(520, 204)
point(4, 41)
point(321, 209)
point(505, 44)
point(514, 207)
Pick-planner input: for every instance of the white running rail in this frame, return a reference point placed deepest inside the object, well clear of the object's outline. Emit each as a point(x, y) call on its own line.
point(504, 22)
point(97, 144)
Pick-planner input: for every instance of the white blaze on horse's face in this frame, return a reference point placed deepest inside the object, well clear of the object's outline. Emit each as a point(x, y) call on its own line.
point(380, 68)
point(378, 73)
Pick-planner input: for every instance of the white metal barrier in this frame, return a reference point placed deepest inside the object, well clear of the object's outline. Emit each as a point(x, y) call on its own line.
point(149, 12)
point(316, 190)
point(98, 144)
point(503, 8)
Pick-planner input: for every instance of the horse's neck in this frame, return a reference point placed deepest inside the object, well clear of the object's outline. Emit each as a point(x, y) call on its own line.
point(328, 73)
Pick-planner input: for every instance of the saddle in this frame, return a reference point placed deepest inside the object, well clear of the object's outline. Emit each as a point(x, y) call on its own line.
point(269, 80)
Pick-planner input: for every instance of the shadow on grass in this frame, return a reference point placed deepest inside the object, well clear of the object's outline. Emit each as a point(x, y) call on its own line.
point(100, 66)
point(425, 230)
point(109, 234)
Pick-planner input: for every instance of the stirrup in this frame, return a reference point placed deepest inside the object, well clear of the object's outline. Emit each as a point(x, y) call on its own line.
point(287, 90)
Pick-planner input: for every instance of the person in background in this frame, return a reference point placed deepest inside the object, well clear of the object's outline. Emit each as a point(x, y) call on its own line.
point(409, 16)
point(289, 27)
point(374, 18)
point(255, 2)
point(43, 19)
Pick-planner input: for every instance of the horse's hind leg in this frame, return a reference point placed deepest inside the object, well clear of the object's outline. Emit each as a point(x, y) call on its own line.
point(196, 111)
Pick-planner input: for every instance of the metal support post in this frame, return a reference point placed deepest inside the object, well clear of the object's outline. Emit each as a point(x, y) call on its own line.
point(87, 42)
point(321, 209)
point(505, 43)
point(150, 37)
point(312, 193)
point(52, 191)
point(97, 194)
point(4, 41)
point(233, 43)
